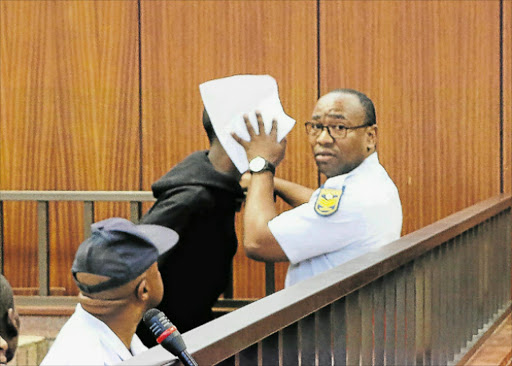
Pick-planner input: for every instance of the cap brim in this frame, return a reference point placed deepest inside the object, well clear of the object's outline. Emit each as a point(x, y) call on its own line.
point(162, 237)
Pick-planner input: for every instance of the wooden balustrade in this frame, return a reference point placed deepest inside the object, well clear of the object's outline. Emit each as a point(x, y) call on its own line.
point(89, 198)
point(425, 299)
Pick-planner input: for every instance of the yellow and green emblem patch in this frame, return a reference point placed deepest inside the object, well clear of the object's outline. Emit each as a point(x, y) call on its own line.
point(328, 201)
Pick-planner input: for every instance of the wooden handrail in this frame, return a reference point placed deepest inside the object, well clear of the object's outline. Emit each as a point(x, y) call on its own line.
point(236, 331)
point(114, 196)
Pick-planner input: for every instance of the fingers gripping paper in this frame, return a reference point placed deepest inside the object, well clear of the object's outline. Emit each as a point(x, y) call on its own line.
point(227, 100)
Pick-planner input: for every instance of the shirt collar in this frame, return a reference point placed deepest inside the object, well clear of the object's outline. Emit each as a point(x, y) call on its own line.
point(371, 160)
point(107, 336)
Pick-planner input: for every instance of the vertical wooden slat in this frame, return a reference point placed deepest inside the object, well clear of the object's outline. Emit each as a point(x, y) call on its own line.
point(419, 277)
point(270, 350)
point(339, 331)
point(135, 211)
point(379, 321)
point(43, 245)
point(428, 264)
point(450, 306)
point(323, 339)
point(228, 291)
point(444, 318)
point(485, 272)
point(508, 249)
point(457, 315)
point(249, 356)
point(307, 341)
point(475, 276)
point(410, 314)
point(400, 317)
point(290, 345)
point(354, 324)
point(366, 305)
point(270, 287)
point(88, 217)
point(436, 309)
point(464, 307)
point(470, 237)
point(390, 282)
point(493, 263)
point(480, 250)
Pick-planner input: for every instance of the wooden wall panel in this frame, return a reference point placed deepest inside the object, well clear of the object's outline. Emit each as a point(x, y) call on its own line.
point(185, 43)
point(69, 117)
point(507, 96)
point(432, 70)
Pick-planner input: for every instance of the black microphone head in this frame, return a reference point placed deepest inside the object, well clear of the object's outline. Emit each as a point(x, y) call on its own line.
point(164, 331)
point(149, 314)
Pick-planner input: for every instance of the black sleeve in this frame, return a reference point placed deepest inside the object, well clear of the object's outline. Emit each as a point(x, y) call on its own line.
point(175, 208)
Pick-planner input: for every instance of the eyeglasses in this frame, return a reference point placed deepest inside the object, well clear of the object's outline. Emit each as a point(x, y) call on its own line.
point(335, 131)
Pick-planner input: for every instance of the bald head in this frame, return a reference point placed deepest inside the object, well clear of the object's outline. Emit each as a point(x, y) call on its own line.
point(366, 103)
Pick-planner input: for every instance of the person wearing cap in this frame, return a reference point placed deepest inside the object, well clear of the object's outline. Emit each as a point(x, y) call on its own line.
point(198, 198)
point(117, 274)
point(9, 322)
point(355, 211)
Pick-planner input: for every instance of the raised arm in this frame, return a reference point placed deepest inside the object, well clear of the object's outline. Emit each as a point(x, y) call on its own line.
point(259, 243)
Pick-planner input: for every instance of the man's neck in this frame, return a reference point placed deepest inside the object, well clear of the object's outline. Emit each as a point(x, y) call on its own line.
point(221, 161)
point(122, 320)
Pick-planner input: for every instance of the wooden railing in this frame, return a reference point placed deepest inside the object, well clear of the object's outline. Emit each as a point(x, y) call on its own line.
point(89, 198)
point(425, 299)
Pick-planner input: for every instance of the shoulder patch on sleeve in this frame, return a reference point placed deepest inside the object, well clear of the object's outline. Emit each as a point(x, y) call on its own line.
point(328, 201)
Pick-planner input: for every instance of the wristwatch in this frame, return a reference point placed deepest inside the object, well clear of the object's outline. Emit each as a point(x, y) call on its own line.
point(258, 165)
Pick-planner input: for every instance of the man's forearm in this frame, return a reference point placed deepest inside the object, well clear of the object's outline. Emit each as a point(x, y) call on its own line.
point(259, 243)
point(292, 193)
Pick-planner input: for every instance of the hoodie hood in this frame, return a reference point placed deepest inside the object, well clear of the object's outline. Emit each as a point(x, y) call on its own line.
point(196, 169)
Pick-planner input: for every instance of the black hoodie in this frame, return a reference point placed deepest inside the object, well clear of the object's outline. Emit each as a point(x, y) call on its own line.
point(199, 203)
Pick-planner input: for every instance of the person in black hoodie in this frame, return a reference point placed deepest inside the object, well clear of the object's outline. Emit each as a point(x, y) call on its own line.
point(198, 199)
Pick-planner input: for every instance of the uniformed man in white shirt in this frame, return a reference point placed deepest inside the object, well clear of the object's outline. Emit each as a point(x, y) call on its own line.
point(117, 274)
point(356, 210)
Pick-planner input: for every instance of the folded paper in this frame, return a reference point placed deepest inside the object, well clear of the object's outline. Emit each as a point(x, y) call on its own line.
point(227, 100)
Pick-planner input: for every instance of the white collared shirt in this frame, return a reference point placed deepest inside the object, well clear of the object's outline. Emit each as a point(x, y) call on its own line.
point(86, 340)
point(368, 216)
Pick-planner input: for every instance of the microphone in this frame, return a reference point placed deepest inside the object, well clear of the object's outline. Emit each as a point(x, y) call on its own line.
point(167, 335)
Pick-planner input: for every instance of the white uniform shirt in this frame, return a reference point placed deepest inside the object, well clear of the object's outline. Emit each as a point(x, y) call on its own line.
point(86, 340)
point(367, 216)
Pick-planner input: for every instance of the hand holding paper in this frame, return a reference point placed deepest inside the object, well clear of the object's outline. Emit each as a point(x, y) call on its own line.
point(262, 144)
point(227, 100)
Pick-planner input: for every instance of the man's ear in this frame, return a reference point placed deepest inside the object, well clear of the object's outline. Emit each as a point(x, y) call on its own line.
point(13, 321)
point(142, 290)
point(371, 136)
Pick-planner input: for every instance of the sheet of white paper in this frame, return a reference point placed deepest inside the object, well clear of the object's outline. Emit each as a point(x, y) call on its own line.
point(226, 100)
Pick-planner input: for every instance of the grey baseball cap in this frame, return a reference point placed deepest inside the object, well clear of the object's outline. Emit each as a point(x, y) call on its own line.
point(120, 250)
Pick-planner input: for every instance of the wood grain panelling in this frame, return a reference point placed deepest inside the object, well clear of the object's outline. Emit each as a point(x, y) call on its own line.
point(69, 117)
point(507, 96)
point(185, 43)
point(432, 70)
point(69, 94)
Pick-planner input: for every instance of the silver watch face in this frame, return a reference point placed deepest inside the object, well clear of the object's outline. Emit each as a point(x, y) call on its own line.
point(257, 164)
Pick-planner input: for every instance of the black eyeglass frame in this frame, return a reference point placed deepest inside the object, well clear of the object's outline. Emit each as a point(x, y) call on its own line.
point(309, 127)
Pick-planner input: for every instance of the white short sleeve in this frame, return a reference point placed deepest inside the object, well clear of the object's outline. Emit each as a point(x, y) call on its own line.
point(304, 234)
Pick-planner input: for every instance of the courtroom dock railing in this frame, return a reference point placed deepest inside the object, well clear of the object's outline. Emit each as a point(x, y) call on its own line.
point(425, 299)
point(89, 200)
